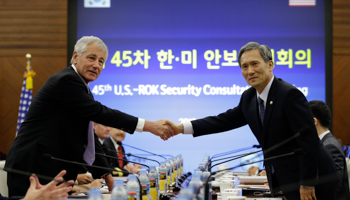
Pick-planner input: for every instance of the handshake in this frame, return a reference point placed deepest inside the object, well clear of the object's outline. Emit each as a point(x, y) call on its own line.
point(163, 128)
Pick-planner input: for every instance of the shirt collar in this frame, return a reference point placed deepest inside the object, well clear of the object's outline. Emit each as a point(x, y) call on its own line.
point(75, 69)
point(323, 134)
point(99, 139)
point(115, 144)
point(266, 91)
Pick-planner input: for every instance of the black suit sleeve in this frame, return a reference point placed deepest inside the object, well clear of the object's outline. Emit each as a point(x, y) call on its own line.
point(80, 102)
point(338, 158)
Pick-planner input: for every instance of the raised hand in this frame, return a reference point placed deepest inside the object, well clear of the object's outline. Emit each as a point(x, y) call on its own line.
point(50, 191)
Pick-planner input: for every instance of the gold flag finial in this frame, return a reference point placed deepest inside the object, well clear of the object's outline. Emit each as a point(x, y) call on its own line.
point(29, 74)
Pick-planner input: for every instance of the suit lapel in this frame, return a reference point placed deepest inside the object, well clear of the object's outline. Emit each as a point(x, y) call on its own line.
point(271, 100)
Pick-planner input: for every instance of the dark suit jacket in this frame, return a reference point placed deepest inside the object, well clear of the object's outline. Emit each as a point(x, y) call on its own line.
point(336, 151)
point(287, 112)
point(114, 163)
point(57, 124)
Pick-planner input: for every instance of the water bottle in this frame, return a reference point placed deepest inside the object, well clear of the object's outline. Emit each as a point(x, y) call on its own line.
point(163, 178)
point(168, 167)
point(172, 171)
point(186, 193)
point(153, 174)
point(152, 189)
point(144, 192)
point(119, 192)
point(181, 164)
point(144, 180)
point(95, 194)
point(132, 195)
point(175, 168)
point(133, 185)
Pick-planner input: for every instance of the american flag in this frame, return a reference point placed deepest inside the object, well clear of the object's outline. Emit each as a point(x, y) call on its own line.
point(26, 94)
point(302, 2)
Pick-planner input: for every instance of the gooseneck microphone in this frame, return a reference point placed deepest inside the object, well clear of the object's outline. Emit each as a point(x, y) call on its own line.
point(234, 151)
point(129, 154)
point(145, 151)
point(100, 154)
point(235, 158)
point(48, 158)
point(296, 152)
point(43, 177)
point(230, 152)
point(303, 132)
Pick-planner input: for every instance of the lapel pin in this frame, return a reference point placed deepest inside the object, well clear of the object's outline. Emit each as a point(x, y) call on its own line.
point(271, 102)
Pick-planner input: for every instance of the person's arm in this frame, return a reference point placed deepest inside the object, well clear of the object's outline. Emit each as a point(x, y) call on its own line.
point(51, 191)
point(299, 116)
point(338, 158)
point(109, 181)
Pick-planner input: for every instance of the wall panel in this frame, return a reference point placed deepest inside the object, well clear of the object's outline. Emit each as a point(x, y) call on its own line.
point(38, 27)
point(341, 70)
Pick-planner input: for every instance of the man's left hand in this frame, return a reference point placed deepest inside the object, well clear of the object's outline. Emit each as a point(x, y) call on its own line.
point(307, 193)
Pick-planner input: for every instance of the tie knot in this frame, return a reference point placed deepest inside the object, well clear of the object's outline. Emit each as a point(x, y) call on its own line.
point(260, 100)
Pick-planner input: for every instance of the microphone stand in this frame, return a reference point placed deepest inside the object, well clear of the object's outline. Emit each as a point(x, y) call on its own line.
point(235, 158)
point(100, 154)
point(129, 154)
point(295, 152)
point(144, 151)
point(229, 152)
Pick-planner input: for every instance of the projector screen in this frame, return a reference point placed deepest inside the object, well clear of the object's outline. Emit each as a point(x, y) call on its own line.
point(178, 60)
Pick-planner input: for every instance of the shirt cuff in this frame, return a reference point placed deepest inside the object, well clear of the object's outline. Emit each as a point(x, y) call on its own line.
point(308, 187)
point(188, 129)
point(140, 125)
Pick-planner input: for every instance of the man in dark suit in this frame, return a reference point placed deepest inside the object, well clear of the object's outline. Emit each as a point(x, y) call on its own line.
point(322, 117)
point(59, 122)
point(275, 111)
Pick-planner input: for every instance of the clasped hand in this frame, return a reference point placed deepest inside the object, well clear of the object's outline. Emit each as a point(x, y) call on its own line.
point(163, 128)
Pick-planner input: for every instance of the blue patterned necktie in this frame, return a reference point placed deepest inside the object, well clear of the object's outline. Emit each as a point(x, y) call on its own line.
point(262, 109)
point(89, 154)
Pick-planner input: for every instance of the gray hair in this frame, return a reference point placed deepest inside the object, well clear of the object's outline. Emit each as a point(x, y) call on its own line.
point(265, 51)
point(81, 45)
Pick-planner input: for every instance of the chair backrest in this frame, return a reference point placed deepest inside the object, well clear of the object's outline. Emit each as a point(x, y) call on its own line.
point(3, 180)
point(348, 166)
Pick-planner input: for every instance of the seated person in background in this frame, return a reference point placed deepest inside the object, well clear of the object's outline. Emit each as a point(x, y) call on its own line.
point(102, 132)
point(51, 191)
point(113, 144)
point(322, 118)
point(253, 171)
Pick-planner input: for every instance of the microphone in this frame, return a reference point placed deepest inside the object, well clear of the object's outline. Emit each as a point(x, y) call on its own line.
point(296, 152)
point(48, 158)
point(43, 177)
point(229, 152)
point(235, 158)
point(129, 154)
point(303, 132)
point(100, 154)
point(145, 151)
point(234, 151)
